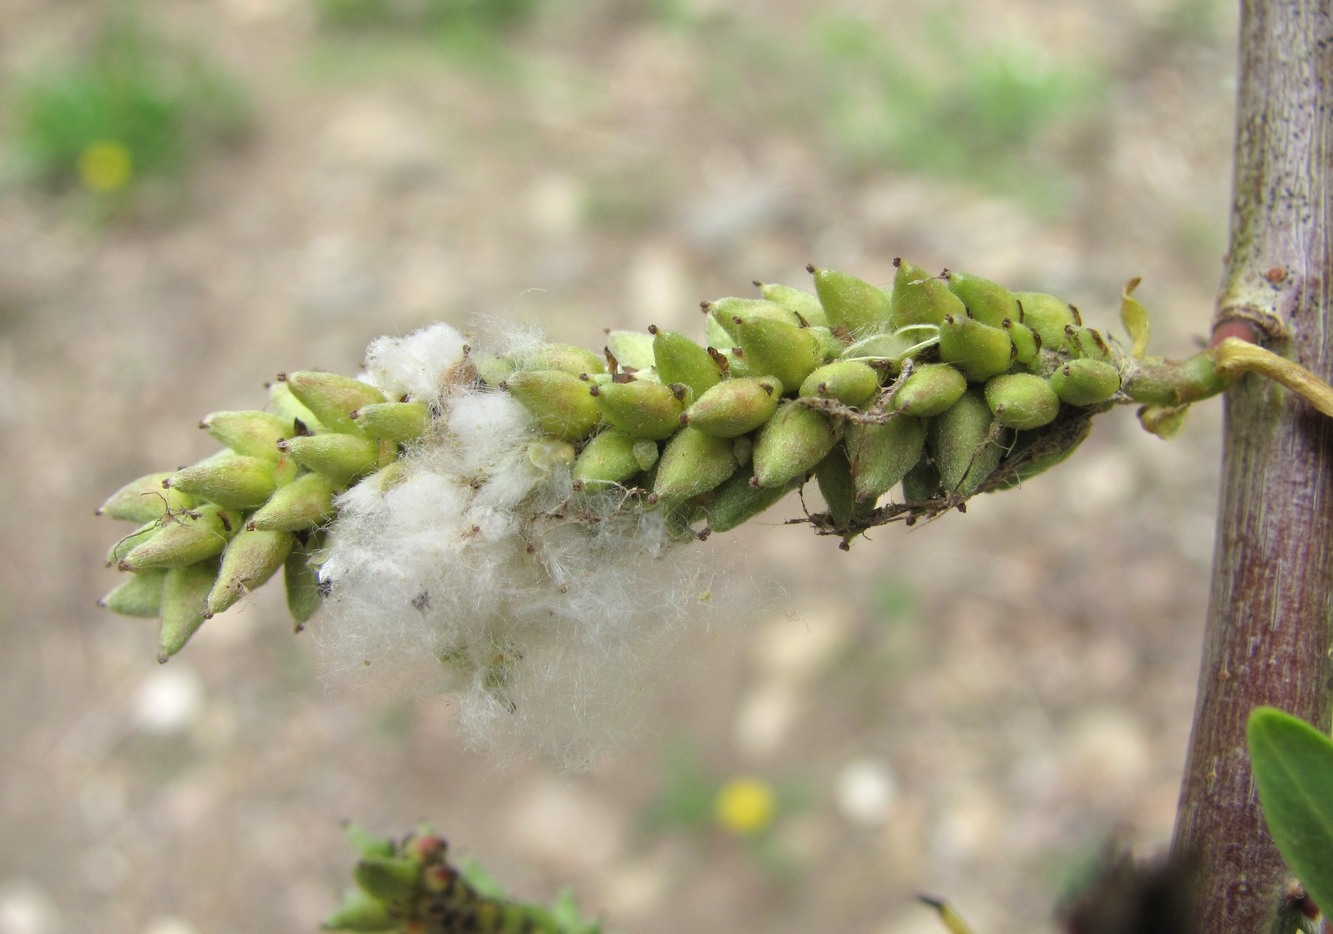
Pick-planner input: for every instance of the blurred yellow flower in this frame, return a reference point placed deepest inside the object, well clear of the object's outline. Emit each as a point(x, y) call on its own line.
point(105, 166)
point(745, 805)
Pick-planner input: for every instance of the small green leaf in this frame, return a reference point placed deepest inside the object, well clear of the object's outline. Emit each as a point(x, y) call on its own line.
point(1293, 768)
point(1135, 318)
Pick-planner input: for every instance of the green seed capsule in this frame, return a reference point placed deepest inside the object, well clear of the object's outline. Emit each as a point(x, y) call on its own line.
point(834, 477)
point(693, 463)
point(921, 483)
point(250, 560)
point(735, 407)
point(567, 357)
point(646, 454)
point(1085, 382)
point(341, 459)
point(853, 305)
point(881, 455)
point(137, 595)
point(987, 301)
point(929, 390)
point(1022, 400)
point(1047, 315)
point(726, 311)
point(681, 360)
point(287, 407)
point(302, 504)
point(1053, 449)
point(632, 350)
point(1084, 341)
point(232, 480)
point(1027, 343)
point(185, 539)
point(738, 500)
point(964, 446)
point(300, 577)
point(254, 434)
point(331, 396)
point(390, 879)
point(608, 458)
point(776, 348)
point(559, 401)
point(848, 381)
point(361, 914)
point(920, 298)
point(795, 439)
point(399, 422)
point(128, 543)
point(641, 408)
point(977, 349)
point(145, 500)
point(797, 301)
point(184, 598)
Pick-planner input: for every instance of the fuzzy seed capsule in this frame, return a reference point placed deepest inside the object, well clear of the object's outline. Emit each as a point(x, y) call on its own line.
point(567, 357)
point(798, 301)
point(145, 500)
point(848, 381)
point(1086, 382)
point(362, 914)
point(1027, 342)
point(795, 439)
point(735, 407)
point(852, 305)
point(341, 459)
point(127, 543)
point(607, 458)
point(641, 408)
point(185, 539)
point(881, 455)
point(632, 350)
point(1022, 400)
point(399, 422)
point(137, 595)
point(776, 348)
point(1083, 341)
point(300, 577)
point(184, 599)
point(929, 390)
point(254, 434)
point(681, 360)
point(1047, 315)
point(987, 301)
point(250, 559)
point(920, 298)
point(231, 480)
point(302, 504)
point(332, 397)
point(921, 483)
point(287, 407)
point(738, 500)
point(693, 463)
point(730, 312)
point(964, 445)
point(559, 401)
point(977, 349)
point(390, 879)
point(834, 477)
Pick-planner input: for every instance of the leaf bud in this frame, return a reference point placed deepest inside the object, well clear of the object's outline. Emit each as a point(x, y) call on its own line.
point(1022, 400)
point(789, 446)
point(559, 402)
point(735, 407)
point(1085, 382)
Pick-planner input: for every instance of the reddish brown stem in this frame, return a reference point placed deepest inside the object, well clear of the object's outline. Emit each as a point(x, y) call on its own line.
point(1268, 629)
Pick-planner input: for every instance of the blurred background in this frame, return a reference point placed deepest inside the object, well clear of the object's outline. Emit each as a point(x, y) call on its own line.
point(197, 194)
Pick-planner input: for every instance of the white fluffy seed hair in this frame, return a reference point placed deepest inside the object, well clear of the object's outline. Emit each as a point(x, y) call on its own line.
point(477, 570)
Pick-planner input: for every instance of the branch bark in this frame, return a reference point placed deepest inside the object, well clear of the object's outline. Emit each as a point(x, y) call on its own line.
point(1269, 632)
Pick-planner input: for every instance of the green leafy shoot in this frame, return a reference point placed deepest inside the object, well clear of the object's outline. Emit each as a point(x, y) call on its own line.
point(1293, 768)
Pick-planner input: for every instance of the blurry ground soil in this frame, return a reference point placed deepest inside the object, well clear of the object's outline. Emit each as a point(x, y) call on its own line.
point(1017, 682)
